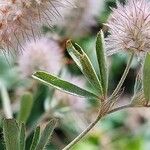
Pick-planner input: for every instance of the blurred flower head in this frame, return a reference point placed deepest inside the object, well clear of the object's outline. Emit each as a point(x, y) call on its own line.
point(129, 27)
point(21, 19)
point(43, 54)
point(82, 16)
point(76, 103)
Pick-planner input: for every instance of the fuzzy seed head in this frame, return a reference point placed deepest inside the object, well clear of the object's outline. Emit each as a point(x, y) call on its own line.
point(21, 20)
point(129, 27)
point(42, 54)
point(79, 20)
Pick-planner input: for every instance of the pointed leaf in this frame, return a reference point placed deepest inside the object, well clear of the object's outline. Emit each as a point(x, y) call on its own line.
point(25, 108)
point(11, 134)
point(100, 51)
point(62, 85)
point(35, 139)
point(146, 77)
point(85, 65)
point(22, 137)
point(46, 134)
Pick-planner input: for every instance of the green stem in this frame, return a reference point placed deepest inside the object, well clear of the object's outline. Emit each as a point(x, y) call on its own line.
point(123, 77)
point(6, 102)
point(78, 138)
point(120, 108)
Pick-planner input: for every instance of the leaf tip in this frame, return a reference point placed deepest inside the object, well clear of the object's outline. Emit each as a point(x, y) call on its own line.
point(37, 74)
point(69, 43)
point(100, 34)
point(54, 121)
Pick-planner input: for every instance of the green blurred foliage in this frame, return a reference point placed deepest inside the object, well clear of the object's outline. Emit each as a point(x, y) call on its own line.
point(113, 126)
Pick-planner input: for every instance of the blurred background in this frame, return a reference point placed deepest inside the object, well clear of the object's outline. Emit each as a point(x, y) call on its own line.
point(79, 21)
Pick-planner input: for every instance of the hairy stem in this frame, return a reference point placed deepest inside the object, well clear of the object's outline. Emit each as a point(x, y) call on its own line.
point(78, 138)
point(123, 77)
point(120, 108)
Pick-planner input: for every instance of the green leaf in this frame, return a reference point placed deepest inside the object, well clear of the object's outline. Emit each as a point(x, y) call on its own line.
point(100, 51)
point(11, 134)
point(22, 137)
point(62, 85)
point(25, 108)
point(46, 134)
point(85, 65)
point(35, 139)
point(146, 77)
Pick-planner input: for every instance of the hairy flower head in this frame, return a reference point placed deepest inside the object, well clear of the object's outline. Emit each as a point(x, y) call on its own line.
point(129, 27)
point(21, 19)
point(42, 54)
point(82, 17)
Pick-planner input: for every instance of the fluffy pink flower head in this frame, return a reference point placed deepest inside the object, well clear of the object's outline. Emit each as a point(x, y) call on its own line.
point(42, 54)
point(129, 27)
point(82, 16)
point(21, 19)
